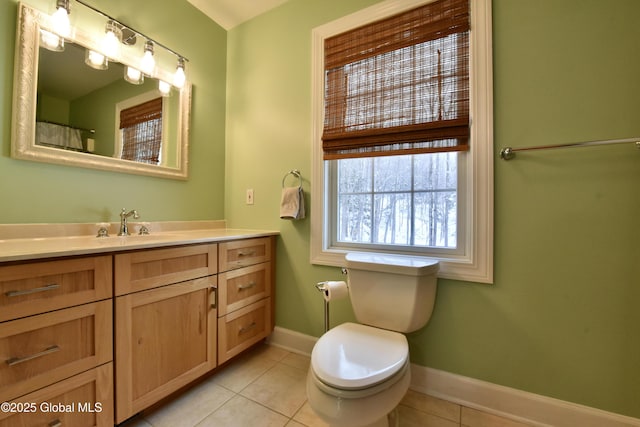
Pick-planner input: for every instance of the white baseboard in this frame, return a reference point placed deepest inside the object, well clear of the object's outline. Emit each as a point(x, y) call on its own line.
point(506, 402)
point(292, 340)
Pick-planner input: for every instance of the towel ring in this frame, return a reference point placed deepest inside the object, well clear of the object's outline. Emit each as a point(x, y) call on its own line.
point(294, 172)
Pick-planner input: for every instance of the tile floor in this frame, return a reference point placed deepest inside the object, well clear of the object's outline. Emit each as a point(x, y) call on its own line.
point(266, 387)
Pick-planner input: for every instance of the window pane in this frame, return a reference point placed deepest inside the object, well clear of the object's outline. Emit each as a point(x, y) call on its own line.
point(354, 175)
point(412, 201)
point(354, 218)
point(436, 219)
point(392, 219)
point(392, 173)
point(436, 171)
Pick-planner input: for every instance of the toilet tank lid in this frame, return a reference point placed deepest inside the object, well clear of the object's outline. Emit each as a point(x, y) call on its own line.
point(397, 264)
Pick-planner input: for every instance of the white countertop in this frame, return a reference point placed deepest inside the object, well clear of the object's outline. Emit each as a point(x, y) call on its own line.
point(24, 242)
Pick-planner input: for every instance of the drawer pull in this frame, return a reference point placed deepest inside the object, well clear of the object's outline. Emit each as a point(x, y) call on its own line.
point(244, 329)
point(247, 286)
point(55, 423)
point(50, 287)
point(17, 360)
point(249, 252)
point(214, 295)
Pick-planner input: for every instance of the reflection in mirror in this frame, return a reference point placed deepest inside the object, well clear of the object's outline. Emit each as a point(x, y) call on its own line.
point(97, 111)
point(68, 112)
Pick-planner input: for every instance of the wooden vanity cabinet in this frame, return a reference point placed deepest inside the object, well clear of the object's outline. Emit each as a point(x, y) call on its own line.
point(165, 331)
point(245, 300)
point(137, 325)
point(56, 341)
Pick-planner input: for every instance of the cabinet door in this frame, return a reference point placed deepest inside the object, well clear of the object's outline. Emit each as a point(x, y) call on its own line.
point(165, 338)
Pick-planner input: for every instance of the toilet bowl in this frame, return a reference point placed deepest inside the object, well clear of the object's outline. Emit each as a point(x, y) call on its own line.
point(358, 375)
point(361, 371)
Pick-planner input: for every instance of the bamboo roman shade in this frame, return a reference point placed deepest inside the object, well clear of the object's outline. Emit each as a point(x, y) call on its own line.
point(399, 85)
point(141, 127)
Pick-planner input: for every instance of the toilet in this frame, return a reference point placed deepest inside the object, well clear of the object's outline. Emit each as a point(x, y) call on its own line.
point(361, 371)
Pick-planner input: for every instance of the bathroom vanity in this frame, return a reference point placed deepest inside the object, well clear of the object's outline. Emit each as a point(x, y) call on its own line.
point(93, 331)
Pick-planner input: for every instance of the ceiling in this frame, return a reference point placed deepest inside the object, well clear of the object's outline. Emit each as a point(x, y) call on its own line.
point(229, 13)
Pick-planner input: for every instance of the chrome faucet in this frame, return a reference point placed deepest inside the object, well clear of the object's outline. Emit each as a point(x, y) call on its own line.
point(124, 228)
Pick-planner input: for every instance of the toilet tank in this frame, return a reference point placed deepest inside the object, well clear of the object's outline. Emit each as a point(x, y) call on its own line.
point(393, 292)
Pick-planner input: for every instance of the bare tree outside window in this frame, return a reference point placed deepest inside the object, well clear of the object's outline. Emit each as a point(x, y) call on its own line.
point(406, 200)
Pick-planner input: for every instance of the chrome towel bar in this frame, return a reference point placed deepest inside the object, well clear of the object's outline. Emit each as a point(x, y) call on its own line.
point(509, 153)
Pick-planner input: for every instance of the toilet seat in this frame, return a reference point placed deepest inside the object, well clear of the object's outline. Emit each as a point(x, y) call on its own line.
point(353, 357)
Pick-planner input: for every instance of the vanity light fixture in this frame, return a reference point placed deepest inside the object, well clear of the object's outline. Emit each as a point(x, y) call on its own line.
point(112, 39)
point(60, 28)
point(96, 60)
point(148, 62)
point(60, 19)
point(179, 77)
point(164, 88)
point(51, 41)
point(133, 75)
point(116, 34)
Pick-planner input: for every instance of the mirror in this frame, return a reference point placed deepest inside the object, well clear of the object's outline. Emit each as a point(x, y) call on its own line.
point(68, 113)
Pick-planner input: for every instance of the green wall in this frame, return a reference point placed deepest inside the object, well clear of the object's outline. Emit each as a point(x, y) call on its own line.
point(562, 317)
point(39, 192)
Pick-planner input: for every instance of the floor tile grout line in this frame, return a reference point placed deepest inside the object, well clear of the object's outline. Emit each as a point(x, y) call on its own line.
point(277, 360)
point(239, 394)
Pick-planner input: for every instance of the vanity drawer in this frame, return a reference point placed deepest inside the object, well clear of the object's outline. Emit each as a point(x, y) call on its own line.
point(241, 329)
point(38, 287)
point(141, 270)
point(39, 350)
point(241, 253)
point(85, 400)
point(241, 287)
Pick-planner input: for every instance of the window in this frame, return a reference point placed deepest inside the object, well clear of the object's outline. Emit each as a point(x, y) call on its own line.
point(397, 166)
point(406, 202)
point(141, 127)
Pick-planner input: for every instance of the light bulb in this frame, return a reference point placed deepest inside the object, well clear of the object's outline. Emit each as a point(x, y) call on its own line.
point(51, 42)
point(60, 21)
point(148, 62)
point(164, 87)
point(133, 75)
point(111, 41)
point(179, 77)
point(96, 60)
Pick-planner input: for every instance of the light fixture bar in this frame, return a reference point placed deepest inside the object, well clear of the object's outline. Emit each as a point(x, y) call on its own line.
point(132, 29)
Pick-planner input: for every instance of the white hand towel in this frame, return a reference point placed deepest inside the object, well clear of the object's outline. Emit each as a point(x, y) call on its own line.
point(292, 203)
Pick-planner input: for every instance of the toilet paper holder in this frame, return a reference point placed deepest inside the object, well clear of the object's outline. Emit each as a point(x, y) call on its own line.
point(322, 287)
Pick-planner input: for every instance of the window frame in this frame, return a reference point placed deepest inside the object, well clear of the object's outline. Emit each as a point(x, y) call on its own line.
point(475, 263)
